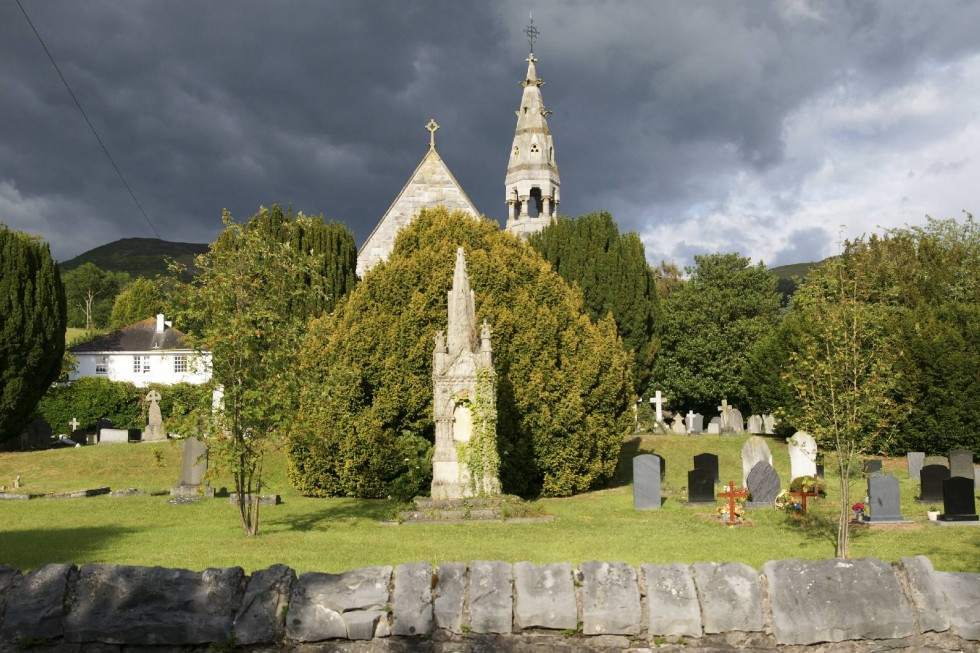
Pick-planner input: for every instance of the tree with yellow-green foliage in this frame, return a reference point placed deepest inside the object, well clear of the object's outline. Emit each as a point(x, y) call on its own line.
point(564, 388)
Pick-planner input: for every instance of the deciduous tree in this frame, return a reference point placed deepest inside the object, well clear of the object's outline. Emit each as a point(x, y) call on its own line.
point(249, 306)
point(139, 300)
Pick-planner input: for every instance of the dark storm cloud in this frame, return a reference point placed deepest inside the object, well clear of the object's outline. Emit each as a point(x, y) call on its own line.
point(664, 113)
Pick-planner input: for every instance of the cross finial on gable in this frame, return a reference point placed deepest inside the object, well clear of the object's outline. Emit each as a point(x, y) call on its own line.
point(432, 126)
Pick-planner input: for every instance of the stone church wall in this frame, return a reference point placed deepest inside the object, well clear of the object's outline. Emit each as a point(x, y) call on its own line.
point(855, 605)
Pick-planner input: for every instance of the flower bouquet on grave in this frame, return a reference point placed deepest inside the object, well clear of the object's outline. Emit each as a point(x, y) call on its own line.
point(858, 509)
point(786, 501)
point(739, 509)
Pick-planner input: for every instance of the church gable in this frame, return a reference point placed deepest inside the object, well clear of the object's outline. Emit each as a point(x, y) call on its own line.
point(431, 185)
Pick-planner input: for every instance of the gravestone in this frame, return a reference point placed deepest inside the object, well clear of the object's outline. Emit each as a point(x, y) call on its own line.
point(154, 431)
point(872, 466)
point(646, 482)
point(802, 455)
point(714, 426)
point(38, 435)
point(769, 424)
point(700, 485)
point(959, 504)
point(193, 467)
point(707, 461)
point(695, 423)
point(755, 425)
point(735, 421)
point(916, 460)
point(677, 425)
point(658, 401)
point(885, 501)
point(754, 450)
point(931, 479)
point(104, 423)
point(763, 485)
point(113, 436)
point(976, 477)
point(961, 463)
point(936, 460)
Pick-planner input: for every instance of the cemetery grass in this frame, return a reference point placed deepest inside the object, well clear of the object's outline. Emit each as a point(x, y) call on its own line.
point(333, 535)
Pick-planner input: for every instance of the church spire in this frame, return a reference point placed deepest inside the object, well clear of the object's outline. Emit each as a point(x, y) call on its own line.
point(532, 184)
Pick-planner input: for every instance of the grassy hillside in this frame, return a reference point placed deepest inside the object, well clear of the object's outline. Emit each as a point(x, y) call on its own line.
point(140, 257)
point(792, 270)
point(336, 534)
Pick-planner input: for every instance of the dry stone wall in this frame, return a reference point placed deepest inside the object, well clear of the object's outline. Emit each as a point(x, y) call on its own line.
point(827, 605)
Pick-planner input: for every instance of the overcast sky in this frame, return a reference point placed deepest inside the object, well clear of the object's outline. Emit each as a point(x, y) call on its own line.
point(748, 126)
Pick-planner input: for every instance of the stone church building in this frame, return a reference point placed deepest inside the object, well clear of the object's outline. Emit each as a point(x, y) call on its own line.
point(531, 185)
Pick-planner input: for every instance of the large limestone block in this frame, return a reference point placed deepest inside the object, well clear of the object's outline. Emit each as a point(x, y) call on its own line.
point(610, 599)
point(412, 598)
point(8, 578)
point(259, 619)
point(672, 600)
point(36, 604)
point(450, 596)
point(837, 600)
point(491, 597)
point(730, 597)
point(120, 604)
point(963, 598)
point(545, 596)
point(339, 606)
point(927, 595)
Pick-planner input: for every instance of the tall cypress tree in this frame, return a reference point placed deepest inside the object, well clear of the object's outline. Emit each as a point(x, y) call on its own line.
point(33, 316)
point(612, 271)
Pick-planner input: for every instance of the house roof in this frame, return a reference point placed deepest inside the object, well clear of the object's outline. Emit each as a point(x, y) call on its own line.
point(142, 336)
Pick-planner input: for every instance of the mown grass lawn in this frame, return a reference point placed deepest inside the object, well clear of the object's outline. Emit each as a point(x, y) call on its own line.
point(337, 534)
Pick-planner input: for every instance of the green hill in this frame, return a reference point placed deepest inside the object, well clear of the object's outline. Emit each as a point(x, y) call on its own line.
point(792, 270)
point(139, 257)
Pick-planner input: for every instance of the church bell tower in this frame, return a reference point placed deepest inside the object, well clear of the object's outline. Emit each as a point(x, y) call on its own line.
point(532, 185)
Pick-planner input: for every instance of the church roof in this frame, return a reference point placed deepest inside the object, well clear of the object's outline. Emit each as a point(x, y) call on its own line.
point(431, 185)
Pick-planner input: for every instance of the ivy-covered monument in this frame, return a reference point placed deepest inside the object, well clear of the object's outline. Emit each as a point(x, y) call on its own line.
point(465, 462)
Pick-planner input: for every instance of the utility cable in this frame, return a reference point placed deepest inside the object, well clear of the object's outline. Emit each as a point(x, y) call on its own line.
point(89, 122)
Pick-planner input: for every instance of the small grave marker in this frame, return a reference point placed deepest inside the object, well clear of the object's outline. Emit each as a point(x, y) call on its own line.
point(916, 461)
point(959, 503)
point(646, 482)
point(931, 483)
point(731, 495)
point(707, 461)
point(802, 495)
point(961, 463)
point(74, 424)
point(700, 486)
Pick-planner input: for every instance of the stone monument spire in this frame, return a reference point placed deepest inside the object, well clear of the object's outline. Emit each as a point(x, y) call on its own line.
point(532, 184)
point(461, 334)
point(463, 399)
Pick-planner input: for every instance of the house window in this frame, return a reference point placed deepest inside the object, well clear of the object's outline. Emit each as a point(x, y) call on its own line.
point(102, 365)
point(180, 364)
point(141, 364)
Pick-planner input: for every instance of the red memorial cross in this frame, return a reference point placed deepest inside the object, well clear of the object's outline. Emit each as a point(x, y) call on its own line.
point(802, 495)
point(731, 495)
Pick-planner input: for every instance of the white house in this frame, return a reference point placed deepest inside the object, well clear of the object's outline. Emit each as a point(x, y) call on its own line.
point(151, 351)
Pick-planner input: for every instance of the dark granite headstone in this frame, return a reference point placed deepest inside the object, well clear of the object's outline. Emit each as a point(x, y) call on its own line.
point(916, 461)
point(38, 435)
point(646, 482)
point(961, 463)
point(707, 461)
point(820, 470)
point(885, 501)
point(104, 423)
point(763, 485)
point(872, 466)
point(959, 504)
point(701, 485)
point(931, 479)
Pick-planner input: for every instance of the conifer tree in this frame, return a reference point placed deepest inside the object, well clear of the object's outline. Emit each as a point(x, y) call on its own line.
point(32, 327)
point(612, 271)
point(564, 390)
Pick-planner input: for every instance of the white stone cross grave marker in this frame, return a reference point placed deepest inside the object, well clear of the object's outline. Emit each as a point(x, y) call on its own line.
point(658, 400)
point(74, 424)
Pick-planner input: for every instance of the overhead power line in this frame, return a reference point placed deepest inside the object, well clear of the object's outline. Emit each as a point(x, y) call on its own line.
point(89, 122)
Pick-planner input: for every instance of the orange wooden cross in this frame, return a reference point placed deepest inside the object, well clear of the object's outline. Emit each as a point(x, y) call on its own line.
point(802, 495)
point(731, 495)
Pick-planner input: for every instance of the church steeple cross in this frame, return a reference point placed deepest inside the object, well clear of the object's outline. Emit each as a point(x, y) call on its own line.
point(433, 126)
point(532, 33)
